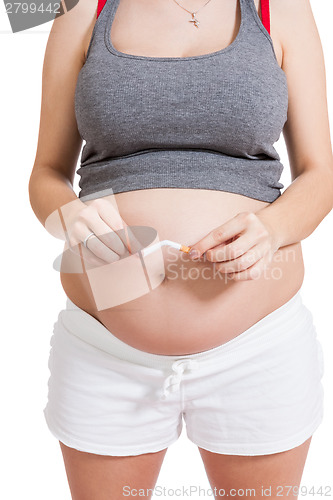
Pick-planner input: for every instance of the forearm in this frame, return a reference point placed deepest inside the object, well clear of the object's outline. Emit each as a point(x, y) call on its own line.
point(49, 190)
point(301, 207)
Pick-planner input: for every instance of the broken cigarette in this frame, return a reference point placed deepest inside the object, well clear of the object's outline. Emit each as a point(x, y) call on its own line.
point(173, 244)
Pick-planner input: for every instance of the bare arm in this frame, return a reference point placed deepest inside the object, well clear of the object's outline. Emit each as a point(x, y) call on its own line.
point(245, 245)
point(309, 198)
point(59, 142)
point(51, 193)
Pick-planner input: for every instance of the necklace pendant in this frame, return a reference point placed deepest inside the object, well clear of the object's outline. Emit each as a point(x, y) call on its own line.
point(194, 20)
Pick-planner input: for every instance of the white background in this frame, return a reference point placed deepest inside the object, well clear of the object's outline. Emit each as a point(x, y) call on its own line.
point(33, 296)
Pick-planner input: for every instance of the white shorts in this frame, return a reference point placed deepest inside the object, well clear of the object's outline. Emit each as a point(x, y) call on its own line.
point(257, 394)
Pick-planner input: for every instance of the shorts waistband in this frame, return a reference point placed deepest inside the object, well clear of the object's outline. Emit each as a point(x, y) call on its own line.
point(81, 324)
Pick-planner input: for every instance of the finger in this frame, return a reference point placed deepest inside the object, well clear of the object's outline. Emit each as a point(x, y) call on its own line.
point(107, 234)
point(252, 273)
point(133, 244)
point(110, 215)
point(233, 250)
point(91, 261)
point(99, 249)
point(91, 223)
point(243, 262)
point(223, 233)
point(89, 258)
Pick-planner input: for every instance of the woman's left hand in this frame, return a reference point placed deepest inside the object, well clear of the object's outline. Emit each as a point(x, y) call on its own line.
point(242, 247)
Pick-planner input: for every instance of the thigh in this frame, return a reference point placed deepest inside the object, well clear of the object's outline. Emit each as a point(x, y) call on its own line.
point(102, 477)
point(275, 473)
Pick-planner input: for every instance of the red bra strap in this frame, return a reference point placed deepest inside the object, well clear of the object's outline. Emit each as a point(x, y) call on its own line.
point(265, 14)
point(100, 6)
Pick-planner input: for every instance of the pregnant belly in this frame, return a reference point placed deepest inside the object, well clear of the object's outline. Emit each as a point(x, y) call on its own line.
point(193, 307)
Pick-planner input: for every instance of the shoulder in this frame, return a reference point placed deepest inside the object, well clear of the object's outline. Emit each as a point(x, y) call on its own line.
point(285, 13)
point(73, 29)
point(293, 27)
point(292, 21)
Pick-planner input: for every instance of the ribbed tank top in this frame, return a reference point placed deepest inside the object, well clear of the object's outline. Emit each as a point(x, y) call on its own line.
point(200, 122)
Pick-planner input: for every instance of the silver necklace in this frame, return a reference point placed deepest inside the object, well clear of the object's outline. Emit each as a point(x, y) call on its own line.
point(194, 20)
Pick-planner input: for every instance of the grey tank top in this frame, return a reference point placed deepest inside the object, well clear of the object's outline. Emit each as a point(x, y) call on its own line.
point(199, 122)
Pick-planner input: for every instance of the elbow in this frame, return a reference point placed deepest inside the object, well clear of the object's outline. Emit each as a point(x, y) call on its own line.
point(327, 190)
point(330, 184)
point(32, 189)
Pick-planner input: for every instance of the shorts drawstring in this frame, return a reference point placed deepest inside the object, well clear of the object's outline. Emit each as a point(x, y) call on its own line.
point(172, 382)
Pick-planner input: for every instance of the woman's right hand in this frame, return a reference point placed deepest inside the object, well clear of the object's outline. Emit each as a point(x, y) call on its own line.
point(112, 238)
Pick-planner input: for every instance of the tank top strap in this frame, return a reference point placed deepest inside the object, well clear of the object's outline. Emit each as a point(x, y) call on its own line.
point(97, 39)
point(262, 22)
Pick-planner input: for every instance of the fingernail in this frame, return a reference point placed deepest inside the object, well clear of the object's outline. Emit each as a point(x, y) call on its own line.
point(194, 254)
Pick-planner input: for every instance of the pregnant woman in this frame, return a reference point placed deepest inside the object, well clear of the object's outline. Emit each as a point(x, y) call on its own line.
point(179, 105)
